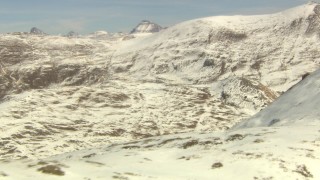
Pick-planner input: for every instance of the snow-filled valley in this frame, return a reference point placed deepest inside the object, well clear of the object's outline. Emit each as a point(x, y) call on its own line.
point(225, 97)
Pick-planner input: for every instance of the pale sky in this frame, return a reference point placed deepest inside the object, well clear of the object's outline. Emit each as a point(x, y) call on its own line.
point(86, 16)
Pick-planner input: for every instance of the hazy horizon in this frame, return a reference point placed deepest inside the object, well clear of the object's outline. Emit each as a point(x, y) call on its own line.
point(86, 16)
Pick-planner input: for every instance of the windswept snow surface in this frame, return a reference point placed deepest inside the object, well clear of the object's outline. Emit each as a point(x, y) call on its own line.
point(289, 152)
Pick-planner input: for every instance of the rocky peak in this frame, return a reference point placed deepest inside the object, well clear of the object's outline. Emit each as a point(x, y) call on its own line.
point(146, 26)
point(37, 31)
point(72, 34)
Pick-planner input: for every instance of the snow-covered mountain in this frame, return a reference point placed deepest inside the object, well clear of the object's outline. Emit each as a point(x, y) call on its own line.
point(60, 94)
point(274, 49)
point(146, 26)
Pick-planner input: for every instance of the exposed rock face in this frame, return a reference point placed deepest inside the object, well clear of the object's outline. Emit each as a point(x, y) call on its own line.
point(146, 27)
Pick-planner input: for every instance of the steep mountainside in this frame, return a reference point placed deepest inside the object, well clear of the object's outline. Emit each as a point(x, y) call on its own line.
point(299, 105)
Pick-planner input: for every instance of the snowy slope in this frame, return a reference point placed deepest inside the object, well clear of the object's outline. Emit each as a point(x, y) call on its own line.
point(249, 152)
point(299, 105)
point(288, 152)
point(61, 90)
point(81, 117)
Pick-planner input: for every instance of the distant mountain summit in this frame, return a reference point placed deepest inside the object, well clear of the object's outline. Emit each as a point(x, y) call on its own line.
point(72, 34)
point(146, 26)
point(100, 34)
point(37, 31)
